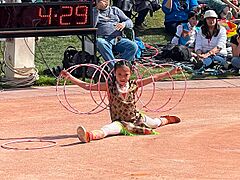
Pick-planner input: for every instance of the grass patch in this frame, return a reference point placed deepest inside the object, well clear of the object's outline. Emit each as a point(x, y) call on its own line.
point(50, 51)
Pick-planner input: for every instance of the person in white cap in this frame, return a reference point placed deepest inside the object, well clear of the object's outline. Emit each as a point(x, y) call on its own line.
point(211, 41)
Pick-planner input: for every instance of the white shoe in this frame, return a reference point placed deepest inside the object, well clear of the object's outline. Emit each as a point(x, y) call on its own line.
point(83, 135)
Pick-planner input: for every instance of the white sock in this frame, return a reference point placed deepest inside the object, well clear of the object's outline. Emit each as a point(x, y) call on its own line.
point(152, 123)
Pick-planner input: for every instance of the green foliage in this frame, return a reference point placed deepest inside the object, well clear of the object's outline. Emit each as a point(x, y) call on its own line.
point(155, 33)
point(50, 50)
point(45, 80)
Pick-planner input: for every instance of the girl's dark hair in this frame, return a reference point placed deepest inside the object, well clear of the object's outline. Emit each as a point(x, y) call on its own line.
point(122, 63)
point(206, 31)
point(192, 14)
point(119, 64)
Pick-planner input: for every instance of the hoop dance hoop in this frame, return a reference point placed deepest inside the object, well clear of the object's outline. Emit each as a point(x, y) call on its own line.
point(153, 48)
point(160, 109)
point(184, 89)
point(103, 72)
point(98, 104)
point(6, 145)
point(69, 106)
point(144, 105)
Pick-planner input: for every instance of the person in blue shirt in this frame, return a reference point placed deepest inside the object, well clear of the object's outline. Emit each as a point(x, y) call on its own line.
point(111, 21)
point(176, 12)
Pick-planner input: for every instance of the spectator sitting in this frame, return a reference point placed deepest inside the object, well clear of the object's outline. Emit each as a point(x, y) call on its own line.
point(176, 12)
point(143, 7)
point(186, 32)
point(235, 43)
point(223, 8)
point(110, 21)
point(211, 39)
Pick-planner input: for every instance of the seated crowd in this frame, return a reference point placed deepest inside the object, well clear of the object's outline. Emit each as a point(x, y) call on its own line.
point(191, 23)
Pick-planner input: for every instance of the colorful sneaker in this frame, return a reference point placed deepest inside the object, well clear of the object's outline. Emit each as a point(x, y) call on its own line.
point(83, 135)
point(170, 119)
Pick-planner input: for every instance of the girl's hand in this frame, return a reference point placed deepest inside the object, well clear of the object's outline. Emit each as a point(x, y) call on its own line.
point(65, 74)
point(175, 70)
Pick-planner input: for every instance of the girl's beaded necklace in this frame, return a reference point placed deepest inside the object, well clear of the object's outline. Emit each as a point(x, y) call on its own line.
point(123, 90)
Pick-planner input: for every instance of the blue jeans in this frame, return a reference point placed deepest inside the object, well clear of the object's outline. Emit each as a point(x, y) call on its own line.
point(124, 46)
point(209, 60)
point(141, 16)
point(236, 62)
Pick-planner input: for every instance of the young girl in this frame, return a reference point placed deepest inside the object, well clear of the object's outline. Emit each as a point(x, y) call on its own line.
point(126, 119)
point(186, 32)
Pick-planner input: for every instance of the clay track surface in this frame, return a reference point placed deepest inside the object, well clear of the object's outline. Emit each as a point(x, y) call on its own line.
point(205, 145)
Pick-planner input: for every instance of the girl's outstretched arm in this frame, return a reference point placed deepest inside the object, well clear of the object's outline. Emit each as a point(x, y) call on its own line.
point(83, 84)
point(158, 76)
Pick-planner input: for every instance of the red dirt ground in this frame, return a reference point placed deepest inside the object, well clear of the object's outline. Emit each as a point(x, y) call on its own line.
point(205, 145)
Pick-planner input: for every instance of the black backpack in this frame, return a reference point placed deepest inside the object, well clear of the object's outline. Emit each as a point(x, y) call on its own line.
point(177, 53)
point(74, 57)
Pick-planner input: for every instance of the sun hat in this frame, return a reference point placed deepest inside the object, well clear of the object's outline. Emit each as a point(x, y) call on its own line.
point(210, 13)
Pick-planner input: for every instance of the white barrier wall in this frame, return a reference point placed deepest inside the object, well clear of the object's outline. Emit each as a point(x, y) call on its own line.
point(19, 56)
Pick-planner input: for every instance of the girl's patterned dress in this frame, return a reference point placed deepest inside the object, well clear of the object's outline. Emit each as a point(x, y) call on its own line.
point(123, 109)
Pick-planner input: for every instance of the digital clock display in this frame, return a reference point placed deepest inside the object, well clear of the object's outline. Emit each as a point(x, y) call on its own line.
point(51, 15)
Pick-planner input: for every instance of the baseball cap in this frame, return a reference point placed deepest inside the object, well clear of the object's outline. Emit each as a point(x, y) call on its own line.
point(210, 13)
